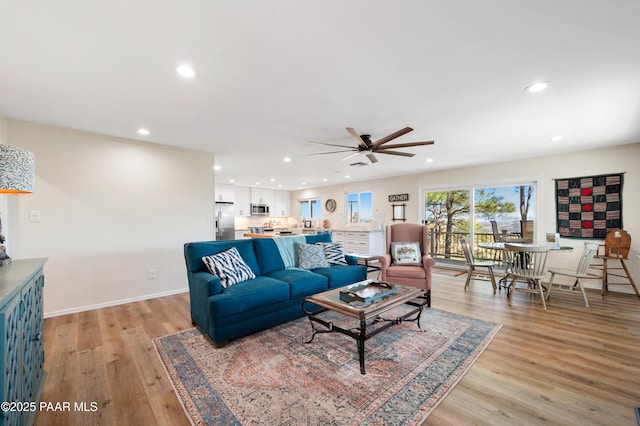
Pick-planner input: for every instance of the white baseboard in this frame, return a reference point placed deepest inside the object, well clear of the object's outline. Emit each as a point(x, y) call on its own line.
point(113, 303)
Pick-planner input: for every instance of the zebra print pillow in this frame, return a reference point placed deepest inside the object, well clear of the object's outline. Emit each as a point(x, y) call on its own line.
point(334, 253)
point(229, 267)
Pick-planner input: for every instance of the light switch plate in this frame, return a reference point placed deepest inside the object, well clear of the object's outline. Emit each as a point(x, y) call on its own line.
point(34, 216)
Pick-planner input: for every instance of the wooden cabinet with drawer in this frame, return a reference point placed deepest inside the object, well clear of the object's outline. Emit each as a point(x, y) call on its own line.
point(361, 242)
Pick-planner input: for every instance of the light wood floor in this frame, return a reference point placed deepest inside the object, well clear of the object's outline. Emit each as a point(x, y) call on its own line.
point(568, 365)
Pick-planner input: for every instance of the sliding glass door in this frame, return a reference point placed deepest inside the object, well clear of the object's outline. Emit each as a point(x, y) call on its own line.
point(468, 212)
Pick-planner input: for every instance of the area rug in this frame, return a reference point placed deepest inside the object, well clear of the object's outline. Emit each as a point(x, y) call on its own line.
point(275, 378)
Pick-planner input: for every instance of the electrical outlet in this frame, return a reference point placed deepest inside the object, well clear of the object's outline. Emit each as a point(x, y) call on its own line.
point(34, 216)
point(151, 274)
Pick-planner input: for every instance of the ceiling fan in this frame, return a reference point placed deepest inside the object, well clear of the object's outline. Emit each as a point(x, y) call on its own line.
point(365, 146)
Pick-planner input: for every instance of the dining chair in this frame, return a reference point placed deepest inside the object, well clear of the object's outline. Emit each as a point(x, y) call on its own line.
point(578, 273)
point(617, 244)
point(526, 262)
point(473, 265)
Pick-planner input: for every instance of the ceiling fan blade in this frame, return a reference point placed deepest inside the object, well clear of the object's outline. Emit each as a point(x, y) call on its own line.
point(385, 151)
point(408, 144)
point(372, 158)
point(331, 152)
point(392, 136)
point(331, 144)
point(356, 137)
point(349, 156)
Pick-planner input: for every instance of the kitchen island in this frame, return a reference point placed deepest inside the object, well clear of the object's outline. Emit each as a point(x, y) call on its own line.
point(268, 234)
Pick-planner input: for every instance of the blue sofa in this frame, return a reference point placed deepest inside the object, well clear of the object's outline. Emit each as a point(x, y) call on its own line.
point(273, 297)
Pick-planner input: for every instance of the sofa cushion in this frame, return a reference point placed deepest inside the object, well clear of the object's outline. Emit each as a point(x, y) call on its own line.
point(311, 256)
point(245, 296)
point(341, 275)
point(334, 252)
point(325, 237)
point(302, 283)
point(406, 253)
point(229, 267)
point(268, 255)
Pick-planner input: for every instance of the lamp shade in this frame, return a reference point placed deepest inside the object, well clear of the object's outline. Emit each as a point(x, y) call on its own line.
point(16, 170)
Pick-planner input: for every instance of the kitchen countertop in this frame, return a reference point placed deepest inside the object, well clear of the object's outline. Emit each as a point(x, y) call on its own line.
point(267, 235)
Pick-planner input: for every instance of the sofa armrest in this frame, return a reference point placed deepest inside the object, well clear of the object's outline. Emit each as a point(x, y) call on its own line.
point(351, 260)
point(205, 284)
point(202, 285)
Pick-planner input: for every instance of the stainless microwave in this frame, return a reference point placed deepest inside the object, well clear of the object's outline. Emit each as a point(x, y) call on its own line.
point(257, 209)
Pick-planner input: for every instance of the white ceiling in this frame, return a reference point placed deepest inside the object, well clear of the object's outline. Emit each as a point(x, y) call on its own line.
point(274, 74)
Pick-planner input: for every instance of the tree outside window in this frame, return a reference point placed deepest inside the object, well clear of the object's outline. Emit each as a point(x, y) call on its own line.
point(359, 207)
point(310, 209)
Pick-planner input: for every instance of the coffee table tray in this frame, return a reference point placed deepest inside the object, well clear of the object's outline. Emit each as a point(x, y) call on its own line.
point(368, 292)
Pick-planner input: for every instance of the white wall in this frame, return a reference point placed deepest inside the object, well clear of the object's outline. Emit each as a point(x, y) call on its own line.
point(623, 158)
point(111, 209)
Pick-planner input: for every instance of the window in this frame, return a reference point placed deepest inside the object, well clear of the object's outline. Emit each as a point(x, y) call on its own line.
point(359, 207)
point(452, 214)
point(309, 209)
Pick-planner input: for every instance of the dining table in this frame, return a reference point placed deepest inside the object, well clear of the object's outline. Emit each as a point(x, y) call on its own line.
point(499, 246)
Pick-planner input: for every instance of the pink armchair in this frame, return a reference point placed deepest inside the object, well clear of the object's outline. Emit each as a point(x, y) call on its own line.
point(412, 275)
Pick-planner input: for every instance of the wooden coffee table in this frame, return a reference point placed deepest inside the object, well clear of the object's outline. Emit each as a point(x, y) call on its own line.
point(367, 313)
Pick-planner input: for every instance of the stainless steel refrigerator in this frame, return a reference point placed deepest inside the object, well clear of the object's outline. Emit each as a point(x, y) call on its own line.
point(225, 229)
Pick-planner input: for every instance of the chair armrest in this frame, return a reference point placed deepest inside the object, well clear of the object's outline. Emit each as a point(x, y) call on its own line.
point(385, 261)
point(428, 262)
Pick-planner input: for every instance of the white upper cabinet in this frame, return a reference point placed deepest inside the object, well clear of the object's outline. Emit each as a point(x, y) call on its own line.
point(282, 204)
point(262, 196)
point(242, 200)
point(225, 193)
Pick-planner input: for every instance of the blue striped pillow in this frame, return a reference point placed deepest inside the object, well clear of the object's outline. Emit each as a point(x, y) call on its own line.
point(229, 267)
point(334, 253)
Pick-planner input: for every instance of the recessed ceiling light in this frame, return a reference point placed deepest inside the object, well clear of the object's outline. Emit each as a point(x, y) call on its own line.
point(216, 167)
point(537, 87)
point(347, 176)
point(303, 183)
point(429, 160)
point(257, 183)
point(286, 159)
point(186, 71)
point(232, 180)
point(325, 180)
point(272, 180)
point(144, 131)
point(556, 139)
point(279, 185)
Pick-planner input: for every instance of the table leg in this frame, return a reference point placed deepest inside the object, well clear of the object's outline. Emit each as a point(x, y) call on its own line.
point(361, 339)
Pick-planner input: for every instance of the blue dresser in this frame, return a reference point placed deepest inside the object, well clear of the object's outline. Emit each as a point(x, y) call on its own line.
point(21, 340)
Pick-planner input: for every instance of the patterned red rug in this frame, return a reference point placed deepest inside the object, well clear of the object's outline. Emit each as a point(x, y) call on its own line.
point(274, 378)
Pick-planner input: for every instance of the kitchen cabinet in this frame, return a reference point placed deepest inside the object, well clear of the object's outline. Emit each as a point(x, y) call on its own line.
point(242, 200)
point(361, 242)
point(240, 234)
point(225, 193)
point(282, 204)
point(21, 341)
point(262, 195)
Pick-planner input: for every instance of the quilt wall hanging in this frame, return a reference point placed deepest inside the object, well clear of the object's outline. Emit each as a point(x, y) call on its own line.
point(587, 207)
